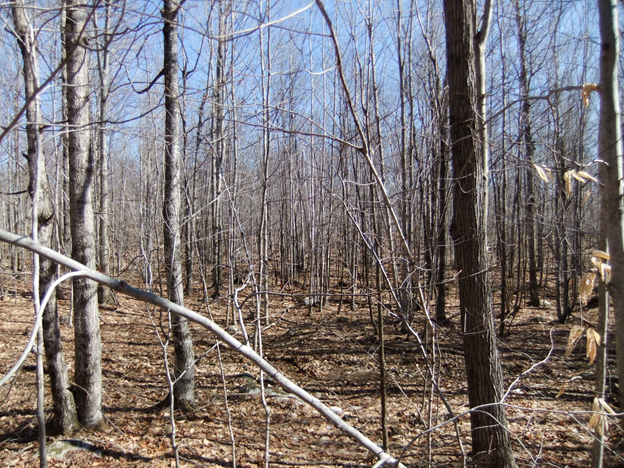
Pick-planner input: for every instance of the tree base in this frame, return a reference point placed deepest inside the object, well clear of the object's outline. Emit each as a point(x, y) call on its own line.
point(180, 404)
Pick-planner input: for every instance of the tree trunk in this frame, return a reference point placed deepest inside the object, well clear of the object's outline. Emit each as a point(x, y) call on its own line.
point(218, 156)
point(526, 138)
point(610, 151)
point(65, 420)
point(88, 392)
point(104, 294)
point(490, 440)
point(184, 389)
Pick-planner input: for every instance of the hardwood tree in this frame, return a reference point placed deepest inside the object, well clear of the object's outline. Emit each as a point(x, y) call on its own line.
point(490, 440)
point(184, 372)
point(64, 420)
point(610, 152)
point(528, 147)
point(88, 347)
point(103, 56)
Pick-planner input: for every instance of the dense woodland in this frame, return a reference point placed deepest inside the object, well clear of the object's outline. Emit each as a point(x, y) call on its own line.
point(430, 166)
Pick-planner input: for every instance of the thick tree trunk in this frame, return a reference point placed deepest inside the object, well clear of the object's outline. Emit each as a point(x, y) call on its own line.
point(610, 151)
point(490, 440)
point(88, 392)
point(65, 420)
point(184, 389)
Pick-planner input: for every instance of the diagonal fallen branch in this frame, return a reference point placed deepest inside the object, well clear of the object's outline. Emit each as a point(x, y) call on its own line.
point(144, 296)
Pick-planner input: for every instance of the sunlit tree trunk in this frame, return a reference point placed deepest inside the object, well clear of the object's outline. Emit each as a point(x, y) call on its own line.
point(184, 389)
point(104, 294)
point(65, 420)
point(218, 153)
point(610, 151)
point(490, 440)
point(526, 139)
point(88, 350)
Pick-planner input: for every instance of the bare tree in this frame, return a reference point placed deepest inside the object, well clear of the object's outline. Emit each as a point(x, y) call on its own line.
point(65, 420)
point(88, 392)
point(490, 439)
point(610, 152)
point(184, 372)
point(105, 296)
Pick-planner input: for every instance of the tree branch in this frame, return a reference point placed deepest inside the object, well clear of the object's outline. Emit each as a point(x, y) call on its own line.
point(144, 296)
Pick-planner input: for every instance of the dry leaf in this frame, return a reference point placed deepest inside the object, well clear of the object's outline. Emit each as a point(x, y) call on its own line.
point(575, 334)
point(577, 176)
point(598, 421)
point(586, 285)
point(584, 175)
point(605, 406)
point(585, 198)
point(567, 177)
point(601, 254)
point(587, 90)
point(593, 340)
point(597, 337)
point(541, 172)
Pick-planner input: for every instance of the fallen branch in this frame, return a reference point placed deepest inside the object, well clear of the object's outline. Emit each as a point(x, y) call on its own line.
point(144, 296)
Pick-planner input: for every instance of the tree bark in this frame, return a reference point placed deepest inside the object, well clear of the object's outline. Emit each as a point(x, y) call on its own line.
point(610, 151)
point(104, 294)
point(526, 138)
point(184, 372)
point(490, 441)
point(64, 420)
point(88, 350)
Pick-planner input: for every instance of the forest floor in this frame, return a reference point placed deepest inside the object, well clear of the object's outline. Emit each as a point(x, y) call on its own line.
point(333, 355)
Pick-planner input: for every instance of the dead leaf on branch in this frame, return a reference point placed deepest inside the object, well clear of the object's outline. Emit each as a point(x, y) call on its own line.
point(593, 341)
point(601, 254)
point(543, 173)
point(599, 421)
point(567, 177)
point(599, 259)
point(588, 88)
point(582, 176)
point(586, 285)
point(575, 334)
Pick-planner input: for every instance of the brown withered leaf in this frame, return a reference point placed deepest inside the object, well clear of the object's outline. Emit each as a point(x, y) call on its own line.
point(575, 333)
point(586, 285)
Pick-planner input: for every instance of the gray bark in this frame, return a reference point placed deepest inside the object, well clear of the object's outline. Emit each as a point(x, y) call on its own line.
point(64, 420)
point(610, 151)
point(490, 440)
point(88, 350)
point(526, 135)
point(105, 296)
point(184, 372)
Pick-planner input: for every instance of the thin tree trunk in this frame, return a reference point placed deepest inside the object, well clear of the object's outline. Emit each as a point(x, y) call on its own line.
point(219, 153)
point(184, 372)
point(104, 294)
point(529, 149)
